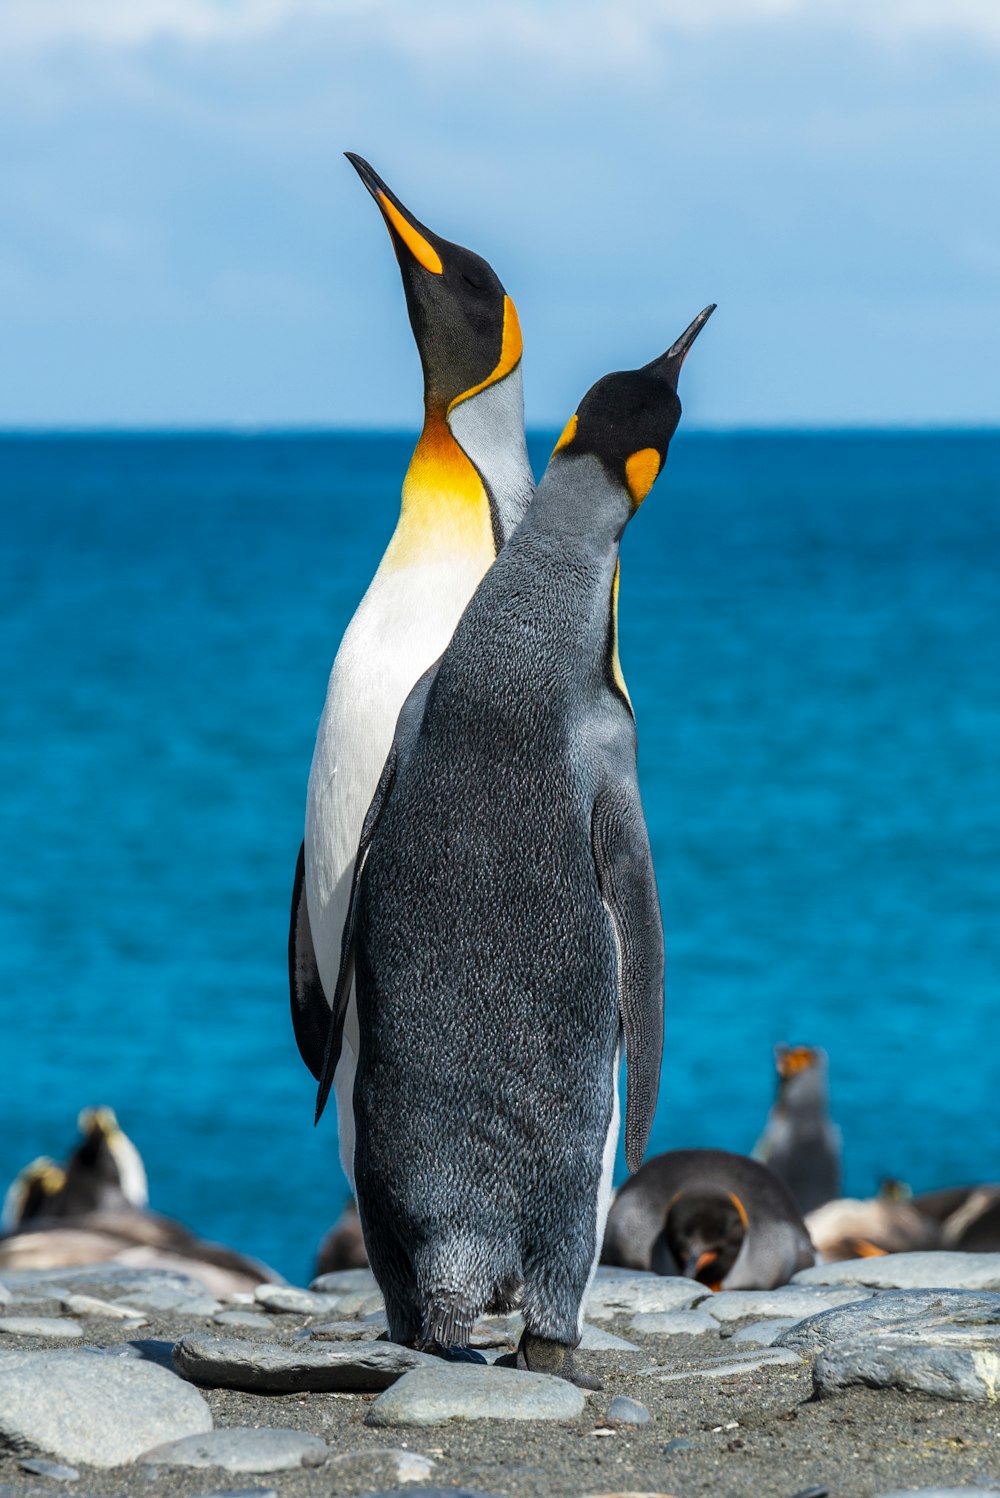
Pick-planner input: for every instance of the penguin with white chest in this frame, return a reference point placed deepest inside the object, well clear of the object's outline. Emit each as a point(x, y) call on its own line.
point(467, 486)
point(504, 927)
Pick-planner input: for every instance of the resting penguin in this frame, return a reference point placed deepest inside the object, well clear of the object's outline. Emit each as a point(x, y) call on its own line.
point(504, 924)
point(800, 1142)
point(723, 1219)
point(467, 486)
point(105, 1171)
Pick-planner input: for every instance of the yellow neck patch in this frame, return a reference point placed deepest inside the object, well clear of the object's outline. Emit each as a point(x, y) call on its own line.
point(616, 665)
point(641, 470)
point(511, 349)
point(423, 253)
point(445, 510)
point(568, 433)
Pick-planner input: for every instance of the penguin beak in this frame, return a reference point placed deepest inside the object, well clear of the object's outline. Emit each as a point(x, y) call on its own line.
point(668, 366)
point(698, 1261)
point(406, 232)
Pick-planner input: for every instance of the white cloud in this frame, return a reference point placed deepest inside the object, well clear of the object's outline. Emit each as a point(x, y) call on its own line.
point(552, 28)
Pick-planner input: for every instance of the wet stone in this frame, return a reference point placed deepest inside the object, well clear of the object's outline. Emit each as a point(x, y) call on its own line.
point(50, 1327)
point(429, 1396)
point(300, 1367)
point(938, 1270)
point(629, 1294)
point(243, 1449)
point(57, 1471)
point(693, 1323)
point(627, 1411)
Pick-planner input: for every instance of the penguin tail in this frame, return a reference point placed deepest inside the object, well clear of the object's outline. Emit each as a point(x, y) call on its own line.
point(448, 1321)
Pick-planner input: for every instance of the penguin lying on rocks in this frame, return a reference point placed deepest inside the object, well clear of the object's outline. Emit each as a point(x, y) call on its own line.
point(722, 1219)
point(504, 926)
point(93, 1211)
point(969, 1216)
point(858, 1229)
point(467, 487)
point(800, 1142)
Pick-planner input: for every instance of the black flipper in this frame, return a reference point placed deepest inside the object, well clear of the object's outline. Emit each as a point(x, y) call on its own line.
point(310, 1008)
point(627, 883)
point(335, 1021)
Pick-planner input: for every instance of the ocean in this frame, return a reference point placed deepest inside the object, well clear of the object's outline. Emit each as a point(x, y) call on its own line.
point(810, 630)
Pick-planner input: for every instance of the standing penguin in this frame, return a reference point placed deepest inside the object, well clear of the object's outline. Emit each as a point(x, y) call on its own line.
point(467, 486)
point(719, 1218)
point(504, 925)
point(800, 1142)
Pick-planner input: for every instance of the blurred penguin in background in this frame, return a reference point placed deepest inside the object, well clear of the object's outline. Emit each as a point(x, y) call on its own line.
point(722, 1219)
point(344, 1245)
point(104, 1172)
point(800, 1142)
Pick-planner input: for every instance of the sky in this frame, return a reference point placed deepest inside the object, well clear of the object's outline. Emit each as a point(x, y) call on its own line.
point(182, 243)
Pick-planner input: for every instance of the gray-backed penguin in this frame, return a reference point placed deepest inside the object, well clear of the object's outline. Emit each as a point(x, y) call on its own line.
point(719, 1218)
point(104, 1172)
point(800, 1142)
point(504, 925)
point(467, 486)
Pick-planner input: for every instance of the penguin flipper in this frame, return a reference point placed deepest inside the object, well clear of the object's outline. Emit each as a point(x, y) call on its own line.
point(627, 882)
point(310, 1008)
point(345, 977)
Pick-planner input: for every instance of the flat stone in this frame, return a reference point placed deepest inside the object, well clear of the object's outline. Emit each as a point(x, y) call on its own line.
point(399, 1464)
point(170, 1300)
point(627, 1294)
point(596, 1339)
point(788, 1300)
point(430, 1492)
point(292, 1300)
point(88, 1305)
point(963, 1368)
point(462, 1391)
point(57, 1471)
point(254, 1321)
point(937, 1270)
point(739, 1363)
point(895, 1310)
point(51, 1327)
point(300, 1367)
point(693, 1323)
point(243, 1449)
point(345, 1281)
point(53, 1284)
point(347, 1331)
point(498, 1331)
point(628, 1411)
point(100, 1411)
point(764, 1333)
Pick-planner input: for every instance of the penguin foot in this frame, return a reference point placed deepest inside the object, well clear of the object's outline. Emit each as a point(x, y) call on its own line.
point(542, 1355)
point(454, 1354)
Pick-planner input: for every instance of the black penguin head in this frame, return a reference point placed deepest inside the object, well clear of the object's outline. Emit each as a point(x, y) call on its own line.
point(704, 1231)
point(32, 1193)
point(627, 419)
point(464, 323)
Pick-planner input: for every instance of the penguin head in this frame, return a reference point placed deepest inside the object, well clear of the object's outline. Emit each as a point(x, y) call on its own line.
point(703, 1232)
point(802, 1075)
point(627, 419)
point(464, 323)
point(31, 1192)
point(106, 1164)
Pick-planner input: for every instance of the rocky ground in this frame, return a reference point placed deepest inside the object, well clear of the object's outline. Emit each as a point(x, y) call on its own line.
point(858, 1380)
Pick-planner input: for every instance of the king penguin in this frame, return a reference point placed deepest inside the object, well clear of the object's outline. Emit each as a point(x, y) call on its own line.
point(719, 1218)
point(800, 1142)
point(504, 925)
point(467, 486)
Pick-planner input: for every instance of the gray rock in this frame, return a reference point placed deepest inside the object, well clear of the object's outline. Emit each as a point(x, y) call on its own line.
point(58, 1471)
point(398, 1464)
point(364, 1329)
point(764, 1333)
point(170, 1300)
point(101, 1411)
point(462, 1391)
point(788, 1300)
point(292, 1300)
point(243, 1449)
point(628, 1411)
point(345, 1281)
point(922, 1271)
point(895, 1310)
point(596, 1339)
point(693, 1323)
point(53, 1284)
point(626, 1294)
point(278, 1368)
point(962, 1366)
point(88, 1305)
point(52, 1327)
point(254, 1321)
point(498, 1331)
point(428, 1493)
point(741, 1362)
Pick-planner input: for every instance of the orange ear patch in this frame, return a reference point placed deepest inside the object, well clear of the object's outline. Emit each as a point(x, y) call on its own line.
point(740, 1208)
point(641, 470)
point(423, 253)
point(568, 433)
point(799, 1058)
point(511, 349)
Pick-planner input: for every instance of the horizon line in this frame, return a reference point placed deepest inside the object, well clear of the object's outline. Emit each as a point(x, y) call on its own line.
point(250, 430)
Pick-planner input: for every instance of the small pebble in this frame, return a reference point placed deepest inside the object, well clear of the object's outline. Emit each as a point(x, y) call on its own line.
point(252, 1320)
point(693, 1323)
point(628, 1411)
point(678, 1444)
point(56, 1470)
point(53, 1328)
point(87, 1305)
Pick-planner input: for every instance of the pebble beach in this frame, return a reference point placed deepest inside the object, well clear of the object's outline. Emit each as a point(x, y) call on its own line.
point(857, 1380)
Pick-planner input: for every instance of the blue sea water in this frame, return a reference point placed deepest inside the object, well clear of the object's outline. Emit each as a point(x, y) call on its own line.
point(811, 634)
